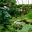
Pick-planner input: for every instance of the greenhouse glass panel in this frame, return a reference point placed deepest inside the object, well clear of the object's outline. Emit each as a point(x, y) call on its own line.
point(23, 1)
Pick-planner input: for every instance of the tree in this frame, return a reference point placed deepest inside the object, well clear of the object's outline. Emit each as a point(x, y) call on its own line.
point(5, 16)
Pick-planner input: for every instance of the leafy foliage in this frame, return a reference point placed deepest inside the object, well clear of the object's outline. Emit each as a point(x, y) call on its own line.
point(7, 17)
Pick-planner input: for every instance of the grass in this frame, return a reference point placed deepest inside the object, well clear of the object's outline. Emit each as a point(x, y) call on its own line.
point(25, 28)
point(27, 17)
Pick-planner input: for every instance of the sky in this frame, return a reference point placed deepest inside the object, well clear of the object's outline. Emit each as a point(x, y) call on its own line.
point(23, 1)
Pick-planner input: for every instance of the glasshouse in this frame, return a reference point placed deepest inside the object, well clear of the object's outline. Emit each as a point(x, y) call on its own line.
point(15, 15)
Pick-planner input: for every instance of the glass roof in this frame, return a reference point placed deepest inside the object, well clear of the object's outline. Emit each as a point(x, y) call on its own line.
point(23, 1)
